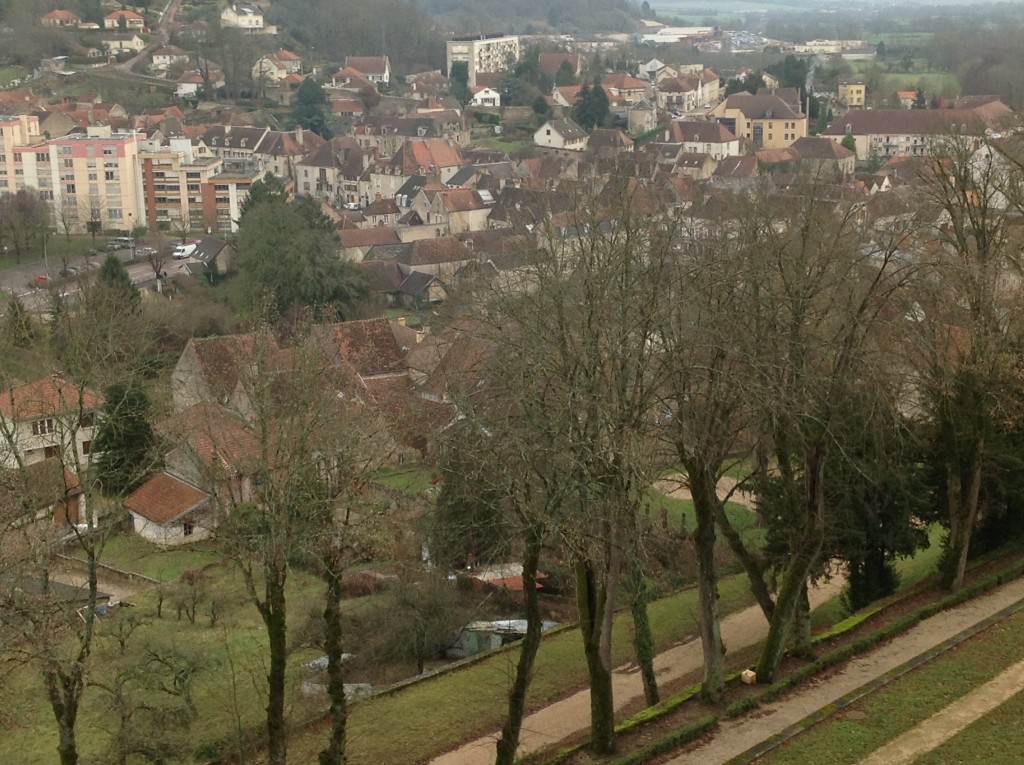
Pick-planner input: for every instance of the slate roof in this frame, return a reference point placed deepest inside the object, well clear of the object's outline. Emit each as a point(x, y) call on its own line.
point(759, 107)
point(568, 129)
point(905, 122)
point(164, 498)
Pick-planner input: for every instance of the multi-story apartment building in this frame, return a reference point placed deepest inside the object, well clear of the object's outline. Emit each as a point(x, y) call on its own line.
point(17, 131)
point(188, 192)
point(97, 175)
point(91, 176)
point(483, 53)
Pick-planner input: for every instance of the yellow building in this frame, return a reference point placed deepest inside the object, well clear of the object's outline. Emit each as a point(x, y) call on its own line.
point(852, 92)
point(765, 120)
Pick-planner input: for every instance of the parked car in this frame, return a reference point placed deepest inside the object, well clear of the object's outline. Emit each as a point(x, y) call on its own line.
point(120, 243)
point(41, 280)
point(69, 271)
point(145, 252)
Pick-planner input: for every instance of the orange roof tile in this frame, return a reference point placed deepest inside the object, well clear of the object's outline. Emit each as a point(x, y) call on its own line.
point(164, 498)
point(47, 396)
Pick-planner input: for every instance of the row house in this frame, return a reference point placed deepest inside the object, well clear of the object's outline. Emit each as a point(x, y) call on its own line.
point(434, 157)
point(689, 93)
point(902, 132)
point(276, 151)
point(711, 138)
point(454, 211)
point(332, 171)
point(386, 135)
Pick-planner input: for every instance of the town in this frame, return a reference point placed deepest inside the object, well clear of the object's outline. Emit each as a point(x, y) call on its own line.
point(468, 383)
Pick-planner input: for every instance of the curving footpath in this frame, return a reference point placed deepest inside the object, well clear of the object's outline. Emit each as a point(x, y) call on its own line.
point(570, 717)
point(743, 739)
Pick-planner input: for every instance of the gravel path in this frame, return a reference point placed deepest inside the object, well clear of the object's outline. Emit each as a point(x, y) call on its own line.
point(571, 716)
point(735, 738)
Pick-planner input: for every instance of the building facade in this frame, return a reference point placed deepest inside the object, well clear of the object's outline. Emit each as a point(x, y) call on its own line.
point(483, 53)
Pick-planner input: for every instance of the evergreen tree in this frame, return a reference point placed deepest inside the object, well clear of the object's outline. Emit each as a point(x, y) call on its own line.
point(565, 75)
point(125, 439)
point(114, 284)
point(849, 142)
point(18, 324)
point(311, 108)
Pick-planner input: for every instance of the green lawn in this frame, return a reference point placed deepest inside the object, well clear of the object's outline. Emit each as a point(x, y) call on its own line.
point(129, 552)
point(888, 712)
point(995, 737)
point(414, 479)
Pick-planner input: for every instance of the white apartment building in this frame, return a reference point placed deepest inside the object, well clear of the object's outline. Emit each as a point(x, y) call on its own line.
point(483, 53)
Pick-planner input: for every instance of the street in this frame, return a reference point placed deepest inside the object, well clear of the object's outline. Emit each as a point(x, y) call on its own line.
point(20, 280)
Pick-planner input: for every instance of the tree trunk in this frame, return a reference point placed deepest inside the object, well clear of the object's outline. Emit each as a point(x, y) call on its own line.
point(802, 645)
point(794, 577)
point(334, 754)
point(963, 513)
point(275, 619)
point(508, 743)
point(593, 602)
point(704, 490)
point(65, 692)
point(749, 561)
point(643, 641)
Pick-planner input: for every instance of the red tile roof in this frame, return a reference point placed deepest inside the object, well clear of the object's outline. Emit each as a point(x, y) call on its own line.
point(47, 396)
point(164, 498)
point(368, 346)
point(63, 15)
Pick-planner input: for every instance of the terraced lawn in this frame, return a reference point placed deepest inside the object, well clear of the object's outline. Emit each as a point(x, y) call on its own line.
point(858, 730)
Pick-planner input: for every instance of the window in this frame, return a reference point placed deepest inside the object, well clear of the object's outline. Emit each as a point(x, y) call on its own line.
point(70, 188)
point(109, 175)
point(108, 151)
point(92, 176)
point(187, 528)
point(87, 420)
point(42, 427)
point(86, 448)
point(69, 164)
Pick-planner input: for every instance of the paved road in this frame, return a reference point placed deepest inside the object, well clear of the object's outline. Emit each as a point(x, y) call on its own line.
point(20, 280)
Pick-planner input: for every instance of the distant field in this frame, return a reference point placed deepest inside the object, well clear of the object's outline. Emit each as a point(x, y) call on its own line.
point(944, 85)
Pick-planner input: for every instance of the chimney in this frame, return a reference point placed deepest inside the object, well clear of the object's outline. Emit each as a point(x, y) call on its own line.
point(376, 197)
point(299, 137)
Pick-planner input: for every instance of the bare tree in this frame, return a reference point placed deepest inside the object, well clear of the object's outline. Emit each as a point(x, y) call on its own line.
point(94, 216)
point(66, 215)
point(100, 343)
point(963, 344)
point(24, 217)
